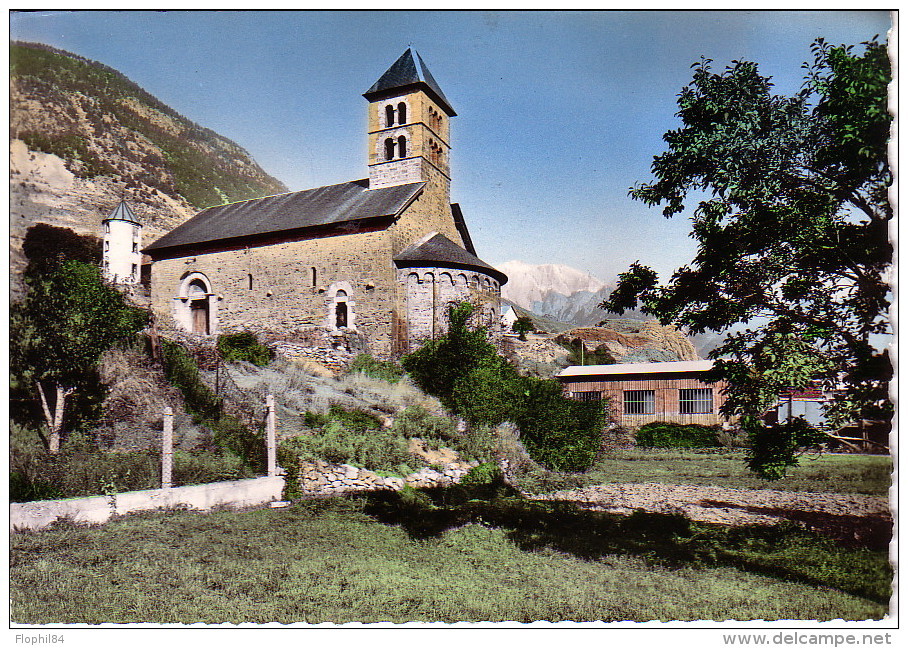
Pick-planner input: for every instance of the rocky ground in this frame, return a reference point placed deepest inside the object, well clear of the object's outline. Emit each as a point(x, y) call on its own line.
point(852, 519)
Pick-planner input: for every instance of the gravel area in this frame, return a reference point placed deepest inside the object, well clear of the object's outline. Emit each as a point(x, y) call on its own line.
point(854, 519)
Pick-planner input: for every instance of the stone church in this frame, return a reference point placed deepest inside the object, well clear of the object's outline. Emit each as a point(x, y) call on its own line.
point(372, 264)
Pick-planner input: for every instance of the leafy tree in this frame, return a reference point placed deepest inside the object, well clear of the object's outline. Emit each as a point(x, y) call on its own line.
point(58, 333)
point(792, 230)
point(522, 326)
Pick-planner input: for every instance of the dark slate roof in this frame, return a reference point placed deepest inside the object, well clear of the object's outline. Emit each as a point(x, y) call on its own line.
point(123, 212)
point(437, 250)
point(461, 226)
point(331, 205)
point(407, 72)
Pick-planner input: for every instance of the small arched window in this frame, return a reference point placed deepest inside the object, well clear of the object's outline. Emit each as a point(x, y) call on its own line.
point(389, 115)
point(314, 277)
point(389, 149)
point(249, 277)
point(402, 146)
point(340, 309)
point(401, 113)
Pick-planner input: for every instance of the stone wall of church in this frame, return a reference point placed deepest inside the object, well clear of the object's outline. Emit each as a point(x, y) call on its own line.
point(288, 288)
point(430, 212)
point(430, 292)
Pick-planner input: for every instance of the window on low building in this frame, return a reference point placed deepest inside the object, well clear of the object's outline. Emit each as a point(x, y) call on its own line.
point(695, 401)
point(587, 396)
point(135, 247)
point(640, 401)
point(135, 272)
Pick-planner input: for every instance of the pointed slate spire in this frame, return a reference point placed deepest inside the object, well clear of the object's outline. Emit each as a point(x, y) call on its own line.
point(123, 212)
point(409, 71)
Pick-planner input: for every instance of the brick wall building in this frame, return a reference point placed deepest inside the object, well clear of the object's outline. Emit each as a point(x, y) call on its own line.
point(379, 259)
point(641, 393)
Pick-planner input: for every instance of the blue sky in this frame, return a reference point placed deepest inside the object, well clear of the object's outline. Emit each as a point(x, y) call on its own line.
point(559, 113)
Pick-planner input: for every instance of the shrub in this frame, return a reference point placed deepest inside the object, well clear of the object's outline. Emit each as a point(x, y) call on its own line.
point(206, 467)
point(374, 368)
point(229, 433)
point(675, 435)
point(558, 432)
point(244, 347)
point(380, 449)
point(183, 373)
point(416, 422)
point(483, 474)
point(354, 419)
point(462, 368)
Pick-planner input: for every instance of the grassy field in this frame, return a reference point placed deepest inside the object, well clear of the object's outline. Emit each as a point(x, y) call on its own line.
point(409, 558)
point(833, 473)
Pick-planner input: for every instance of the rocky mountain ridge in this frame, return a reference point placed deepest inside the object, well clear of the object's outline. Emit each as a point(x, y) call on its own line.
point(83, 137)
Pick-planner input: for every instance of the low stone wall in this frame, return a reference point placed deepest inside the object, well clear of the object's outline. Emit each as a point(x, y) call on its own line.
point(323, 478)
point(97, 510)
point(333, 358)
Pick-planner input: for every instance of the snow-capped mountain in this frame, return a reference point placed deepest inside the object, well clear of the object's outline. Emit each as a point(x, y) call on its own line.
point(528, 283)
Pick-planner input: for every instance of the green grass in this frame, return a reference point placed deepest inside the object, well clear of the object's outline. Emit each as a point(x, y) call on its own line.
point(833, 473)
point(391, 558)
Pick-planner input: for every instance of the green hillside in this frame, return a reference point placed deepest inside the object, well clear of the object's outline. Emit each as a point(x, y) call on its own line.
point(101, 123)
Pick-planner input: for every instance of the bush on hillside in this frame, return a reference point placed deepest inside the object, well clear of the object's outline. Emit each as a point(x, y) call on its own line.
point(229, 432)
point(244, 347)
point(386, 370)
point(380, 449)
point(675, 435)
point(463, 369)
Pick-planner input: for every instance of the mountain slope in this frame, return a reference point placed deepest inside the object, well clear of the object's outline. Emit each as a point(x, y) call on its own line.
point(102, 123)
point(83, 137)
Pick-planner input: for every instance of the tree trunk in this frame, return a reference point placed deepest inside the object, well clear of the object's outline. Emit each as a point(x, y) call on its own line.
point(54, 421)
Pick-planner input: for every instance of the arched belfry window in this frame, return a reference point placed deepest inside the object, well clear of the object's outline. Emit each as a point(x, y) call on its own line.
point(401, 113)
point(402, 146)
point(389, 115)
point(389, 149)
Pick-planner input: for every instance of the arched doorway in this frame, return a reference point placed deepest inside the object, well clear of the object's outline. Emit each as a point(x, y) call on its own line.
point(195, 307)
point(198, 306)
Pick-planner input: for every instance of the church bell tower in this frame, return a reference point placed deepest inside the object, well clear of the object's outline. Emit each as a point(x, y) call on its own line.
point(409, 128)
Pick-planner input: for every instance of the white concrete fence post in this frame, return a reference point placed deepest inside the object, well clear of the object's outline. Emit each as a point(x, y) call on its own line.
point(167, 450)
point(270, 438)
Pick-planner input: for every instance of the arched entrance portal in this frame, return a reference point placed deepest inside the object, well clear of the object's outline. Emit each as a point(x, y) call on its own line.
point(193, 308)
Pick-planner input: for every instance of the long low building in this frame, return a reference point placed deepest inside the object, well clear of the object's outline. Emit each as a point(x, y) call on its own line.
point(641, 393)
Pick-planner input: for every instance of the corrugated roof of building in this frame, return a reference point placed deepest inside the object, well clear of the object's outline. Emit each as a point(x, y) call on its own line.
point(334, 204)
point(435, 249)
point(636, 368)
point(409, 71)
point(123, 212)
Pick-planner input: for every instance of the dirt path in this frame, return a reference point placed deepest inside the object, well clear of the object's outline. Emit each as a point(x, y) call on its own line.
point(854, 519)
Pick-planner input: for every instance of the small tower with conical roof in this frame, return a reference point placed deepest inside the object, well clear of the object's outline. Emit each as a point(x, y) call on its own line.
point(121, 258)
point(408, 127)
